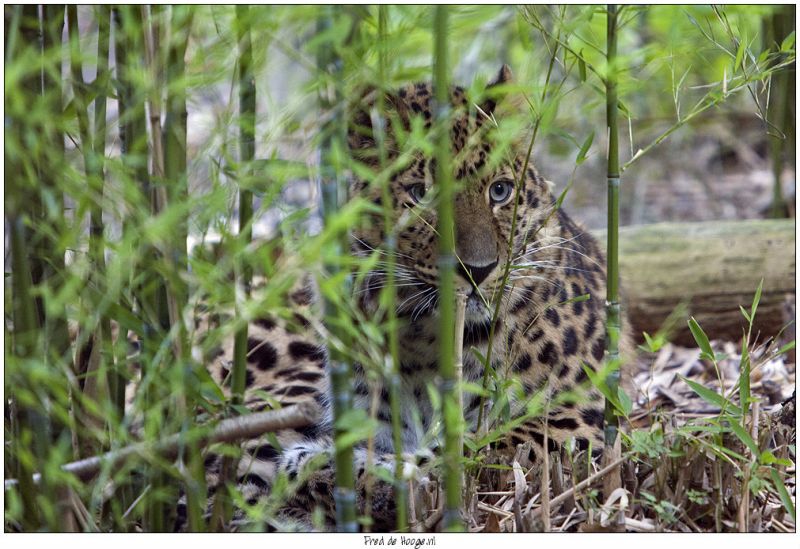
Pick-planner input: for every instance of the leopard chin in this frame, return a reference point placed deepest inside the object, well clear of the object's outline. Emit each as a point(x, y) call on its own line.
point(477, 310)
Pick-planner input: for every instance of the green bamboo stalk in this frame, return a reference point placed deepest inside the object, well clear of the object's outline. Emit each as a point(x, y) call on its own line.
point(340, 368)
point(30, 426)
point(102, 334)
point(133, 146)
point(157, 297)
point(133, 142)
point(452, 413)
point(88, 353)
point(56, 331)
point(175, 175)
point(32, 39)
point(89, 363)
point(247, 119)
point(133, 149)
point(613, 324)
point(175, 131)
point(389, 295)
point(78, 91)
point(779, 26)
point(57, 350)
point(154, 294)
point(99, 143)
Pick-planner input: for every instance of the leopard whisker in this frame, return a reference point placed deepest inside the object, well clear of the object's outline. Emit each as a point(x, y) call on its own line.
point(370, 248)
point(412, 297)
point(381, 286)
point(423, 305)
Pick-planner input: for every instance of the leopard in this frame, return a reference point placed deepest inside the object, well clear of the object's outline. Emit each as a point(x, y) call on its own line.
point(533, 281)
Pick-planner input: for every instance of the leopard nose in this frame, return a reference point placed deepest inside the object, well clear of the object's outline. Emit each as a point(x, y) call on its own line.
point(476, 273)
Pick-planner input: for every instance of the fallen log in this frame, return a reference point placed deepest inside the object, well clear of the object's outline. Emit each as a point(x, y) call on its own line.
point(712, 269)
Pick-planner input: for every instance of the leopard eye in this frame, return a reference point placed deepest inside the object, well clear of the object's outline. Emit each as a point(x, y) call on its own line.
point(417, 193)
point(500, 191)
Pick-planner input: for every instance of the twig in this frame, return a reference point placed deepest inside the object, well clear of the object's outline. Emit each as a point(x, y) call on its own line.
point(461, 305)
point(133, 505)
point(580, 486)
point(432, 519)
point(545, 484)
point(228, 430)
point(639, 525)
point(492, 509)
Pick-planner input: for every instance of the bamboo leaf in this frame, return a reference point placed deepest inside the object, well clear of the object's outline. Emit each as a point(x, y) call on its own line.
point(739, 56)
point(768, 458)
point(581, 158)
point(625, 402)
point(355, 425)
point(702, 340)
point(744, 436)
point(581, 66)
point(744, 314)
point(712, 397)
point(756, 299)
point(788, 347)
point(788, 42)
point(786, 499)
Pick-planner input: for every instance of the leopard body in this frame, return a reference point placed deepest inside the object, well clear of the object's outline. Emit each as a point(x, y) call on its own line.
point(550, 325)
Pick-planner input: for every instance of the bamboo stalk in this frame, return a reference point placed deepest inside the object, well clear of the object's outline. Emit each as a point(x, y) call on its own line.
point(99, 142)
point(175, 131)
point(175, 179)
point(155, 293)
point(91, 365)
point(89, 358)
point(247, 120)
point(78, 91)
point(127, 129)
point(28, 425)
point(32, 39)
point(613, 321)
point(228, 430)
point(102, 334)
point(340, 368)
point(452, 412)
point(780, 103)
point(389, 292)
point(56, 331)
point(96, 385)
point(133, 151)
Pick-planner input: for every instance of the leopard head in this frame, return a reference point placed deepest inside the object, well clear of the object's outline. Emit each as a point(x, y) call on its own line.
point(499, 194)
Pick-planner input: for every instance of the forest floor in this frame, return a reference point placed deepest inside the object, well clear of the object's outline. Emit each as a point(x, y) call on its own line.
point(683, 469)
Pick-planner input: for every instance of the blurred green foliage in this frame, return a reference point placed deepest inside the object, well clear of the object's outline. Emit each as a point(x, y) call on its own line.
point(675, 61)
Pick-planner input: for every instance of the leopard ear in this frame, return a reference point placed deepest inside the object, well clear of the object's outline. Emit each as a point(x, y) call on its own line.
point(359, 123)
point(363, 116)
point(494, 89)
point(503, 77)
